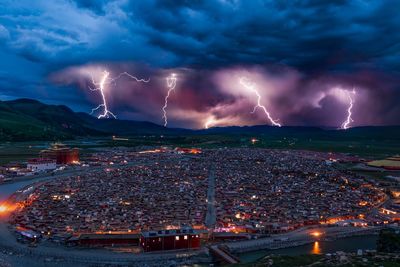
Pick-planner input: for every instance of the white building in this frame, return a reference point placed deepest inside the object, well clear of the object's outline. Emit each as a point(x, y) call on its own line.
point(39, 165)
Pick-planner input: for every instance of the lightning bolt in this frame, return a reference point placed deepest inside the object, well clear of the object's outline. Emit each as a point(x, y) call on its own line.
point(100, 86)
point(171, 83)
point(251, 86)
point(106, 113)
point(349, 119)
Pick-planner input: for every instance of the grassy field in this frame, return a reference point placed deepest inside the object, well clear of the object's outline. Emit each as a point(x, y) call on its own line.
point(315, 261)
point(22, 151)
point(10, 152)
point(284, 261)
point(385, 162)
point(370, 149)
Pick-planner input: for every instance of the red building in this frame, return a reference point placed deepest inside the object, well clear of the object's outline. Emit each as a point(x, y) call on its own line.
point(170, 239)
point(61, 153)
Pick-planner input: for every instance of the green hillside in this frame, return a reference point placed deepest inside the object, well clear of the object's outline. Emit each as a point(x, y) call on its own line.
point(27, 119)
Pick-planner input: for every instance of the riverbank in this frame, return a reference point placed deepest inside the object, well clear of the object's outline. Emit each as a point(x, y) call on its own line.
point(339, 258)
point(299, 237)
point(348, 244)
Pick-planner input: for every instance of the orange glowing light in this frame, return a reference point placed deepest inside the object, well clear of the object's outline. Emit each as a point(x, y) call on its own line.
point(3, 208)
point(316, 234)
point(363, 203)
point(316, 249)
point(254, 140)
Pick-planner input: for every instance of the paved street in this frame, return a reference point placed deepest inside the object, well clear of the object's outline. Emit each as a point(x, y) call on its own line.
point(211, 214)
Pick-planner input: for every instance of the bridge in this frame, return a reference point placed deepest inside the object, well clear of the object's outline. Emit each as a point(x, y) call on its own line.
point(223, 254)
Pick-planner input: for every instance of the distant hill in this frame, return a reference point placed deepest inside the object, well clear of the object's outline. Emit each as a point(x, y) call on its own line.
point(27, 119)
point(363, 132)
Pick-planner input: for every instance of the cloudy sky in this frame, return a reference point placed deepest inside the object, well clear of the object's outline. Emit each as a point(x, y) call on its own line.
point(304, 58)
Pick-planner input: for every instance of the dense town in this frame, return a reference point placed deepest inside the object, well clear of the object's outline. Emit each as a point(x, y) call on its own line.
point(191, 199)
point(296, 188)
point(167, 192)
point(256, 191)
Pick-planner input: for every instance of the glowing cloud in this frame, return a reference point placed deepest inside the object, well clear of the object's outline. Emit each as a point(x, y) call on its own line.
point(210, 121)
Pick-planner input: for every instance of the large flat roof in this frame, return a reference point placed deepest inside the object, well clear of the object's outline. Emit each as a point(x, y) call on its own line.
point(173, 232)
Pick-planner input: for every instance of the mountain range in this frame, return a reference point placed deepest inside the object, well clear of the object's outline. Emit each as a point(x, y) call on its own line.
point(27, 119)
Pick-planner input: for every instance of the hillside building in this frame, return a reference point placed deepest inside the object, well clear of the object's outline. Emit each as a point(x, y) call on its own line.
point(61, 154)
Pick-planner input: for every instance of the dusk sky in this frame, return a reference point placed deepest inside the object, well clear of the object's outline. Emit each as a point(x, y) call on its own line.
point(303, 57)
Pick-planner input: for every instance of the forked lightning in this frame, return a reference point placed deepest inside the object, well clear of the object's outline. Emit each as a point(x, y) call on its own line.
point(100, 86)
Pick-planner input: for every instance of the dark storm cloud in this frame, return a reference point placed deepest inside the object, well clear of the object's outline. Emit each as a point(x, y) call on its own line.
point(326, 43)
point(308, 35)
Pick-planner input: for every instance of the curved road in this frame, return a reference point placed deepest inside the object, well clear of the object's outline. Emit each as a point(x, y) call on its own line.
point(47, 253)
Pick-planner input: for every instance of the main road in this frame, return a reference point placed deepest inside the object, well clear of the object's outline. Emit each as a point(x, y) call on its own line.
point(211, 213)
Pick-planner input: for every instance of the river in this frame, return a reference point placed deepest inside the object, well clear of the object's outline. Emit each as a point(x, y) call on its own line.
point(349, 244)
point(7, 189)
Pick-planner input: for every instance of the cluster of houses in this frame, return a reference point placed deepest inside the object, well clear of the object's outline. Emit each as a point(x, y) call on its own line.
point(49, 159)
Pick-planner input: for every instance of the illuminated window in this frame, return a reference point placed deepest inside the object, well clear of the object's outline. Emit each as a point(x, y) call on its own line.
point(185, 237)
point(177, 237)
